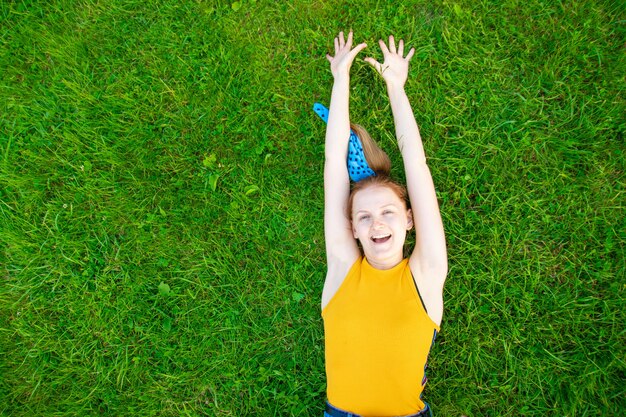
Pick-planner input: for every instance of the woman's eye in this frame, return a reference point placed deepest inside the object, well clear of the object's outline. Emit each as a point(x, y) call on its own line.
point(364, 218)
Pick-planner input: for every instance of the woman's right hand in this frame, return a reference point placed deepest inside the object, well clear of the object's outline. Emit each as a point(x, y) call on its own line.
point(344, 56)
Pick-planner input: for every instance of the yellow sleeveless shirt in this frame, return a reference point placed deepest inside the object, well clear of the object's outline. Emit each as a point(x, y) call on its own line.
point(377, 336)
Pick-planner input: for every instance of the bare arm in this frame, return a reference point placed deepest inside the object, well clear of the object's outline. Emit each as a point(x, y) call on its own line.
point(341, 247)
point(429, 260)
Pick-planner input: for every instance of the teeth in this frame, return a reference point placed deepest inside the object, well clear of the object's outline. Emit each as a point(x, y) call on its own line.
point(381, 236)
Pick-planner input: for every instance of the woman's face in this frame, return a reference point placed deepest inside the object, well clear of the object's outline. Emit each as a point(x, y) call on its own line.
point(380, 221)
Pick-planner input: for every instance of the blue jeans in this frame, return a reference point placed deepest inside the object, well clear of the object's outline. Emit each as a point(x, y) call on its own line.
point(332, 411)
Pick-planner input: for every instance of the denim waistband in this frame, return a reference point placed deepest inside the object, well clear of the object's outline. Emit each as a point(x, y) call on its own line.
point(332, 411)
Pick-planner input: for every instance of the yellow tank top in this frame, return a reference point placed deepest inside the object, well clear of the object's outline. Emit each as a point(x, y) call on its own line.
point(378, 336)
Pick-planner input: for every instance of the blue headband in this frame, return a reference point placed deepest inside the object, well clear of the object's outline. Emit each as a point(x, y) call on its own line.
point(357, 164)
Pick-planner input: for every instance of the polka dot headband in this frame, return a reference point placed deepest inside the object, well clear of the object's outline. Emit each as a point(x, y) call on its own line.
point(357, 164)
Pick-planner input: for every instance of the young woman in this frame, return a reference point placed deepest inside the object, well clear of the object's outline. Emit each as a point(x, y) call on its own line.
point(381, 312)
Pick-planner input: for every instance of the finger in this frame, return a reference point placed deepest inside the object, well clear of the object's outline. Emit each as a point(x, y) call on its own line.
point(336, 45)
point(410, 55)
point(342, 41)
point(349, 42)
point(401, 47)
point(357, 49)
point(329, 58)
point(383, 47)
point(377, 65)
point(392, 44)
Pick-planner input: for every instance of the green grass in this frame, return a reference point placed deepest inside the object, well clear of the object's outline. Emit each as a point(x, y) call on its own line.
point(161, 202)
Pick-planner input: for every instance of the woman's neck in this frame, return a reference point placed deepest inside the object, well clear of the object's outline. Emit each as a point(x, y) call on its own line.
point(384, 264)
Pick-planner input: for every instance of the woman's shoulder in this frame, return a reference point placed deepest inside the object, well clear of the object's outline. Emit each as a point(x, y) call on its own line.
point(336, 274)
point(429, 290)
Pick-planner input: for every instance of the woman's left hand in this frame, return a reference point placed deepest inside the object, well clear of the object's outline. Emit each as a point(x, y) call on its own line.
point(395, 67)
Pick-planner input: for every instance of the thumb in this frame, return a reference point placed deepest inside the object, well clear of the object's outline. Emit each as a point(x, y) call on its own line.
point(357, 49)
point(374, 64)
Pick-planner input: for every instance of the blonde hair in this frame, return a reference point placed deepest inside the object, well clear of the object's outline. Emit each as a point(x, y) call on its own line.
point(376, 158)
point(380, 163)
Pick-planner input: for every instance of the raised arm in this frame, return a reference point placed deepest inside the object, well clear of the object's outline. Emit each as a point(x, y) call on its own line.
point(341, 247)
point(429, 260)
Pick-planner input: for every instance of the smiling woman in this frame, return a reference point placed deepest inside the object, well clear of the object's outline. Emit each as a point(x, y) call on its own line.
point(380, 220)
point(381, 312)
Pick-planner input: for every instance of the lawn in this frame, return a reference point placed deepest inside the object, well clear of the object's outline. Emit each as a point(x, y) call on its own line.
point(161, 202)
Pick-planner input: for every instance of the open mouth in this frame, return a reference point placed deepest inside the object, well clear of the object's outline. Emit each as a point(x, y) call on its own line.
point(381, 238)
